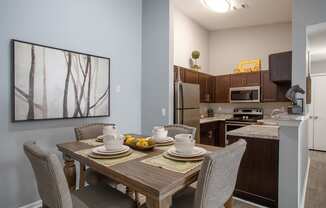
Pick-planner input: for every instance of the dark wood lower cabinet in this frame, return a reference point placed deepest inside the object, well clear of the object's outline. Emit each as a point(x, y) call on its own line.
point(208, 133)
point(258, 173)
point(213, 133)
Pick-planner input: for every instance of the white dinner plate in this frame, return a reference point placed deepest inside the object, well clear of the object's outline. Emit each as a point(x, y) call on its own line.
point(101, 150)
point(162, 141)
point(196, 152)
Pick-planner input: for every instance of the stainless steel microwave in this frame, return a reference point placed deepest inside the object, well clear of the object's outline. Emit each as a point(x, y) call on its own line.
point(245, 94)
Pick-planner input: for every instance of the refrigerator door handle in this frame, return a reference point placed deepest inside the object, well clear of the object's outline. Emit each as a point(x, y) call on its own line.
point(182, 102)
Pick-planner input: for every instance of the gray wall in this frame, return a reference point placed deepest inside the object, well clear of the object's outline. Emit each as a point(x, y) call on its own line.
point(103, 27)
point(156, 63)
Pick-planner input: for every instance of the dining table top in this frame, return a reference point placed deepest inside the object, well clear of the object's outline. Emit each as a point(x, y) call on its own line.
point(154, 182)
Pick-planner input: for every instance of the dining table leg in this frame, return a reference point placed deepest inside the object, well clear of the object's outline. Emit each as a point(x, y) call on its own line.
point(159, 203)
point(82, 172)
point(70, 172)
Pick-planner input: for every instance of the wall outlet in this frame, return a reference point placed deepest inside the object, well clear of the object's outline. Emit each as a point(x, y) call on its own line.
point(219, 108)
point(163, 112)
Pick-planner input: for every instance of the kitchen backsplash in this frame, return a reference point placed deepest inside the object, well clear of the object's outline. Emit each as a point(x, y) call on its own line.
point(228, 107)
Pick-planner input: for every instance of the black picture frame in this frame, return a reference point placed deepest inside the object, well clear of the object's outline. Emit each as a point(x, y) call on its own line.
point(13, 81)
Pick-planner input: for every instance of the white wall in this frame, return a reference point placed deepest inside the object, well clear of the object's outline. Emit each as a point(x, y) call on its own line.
point(318, 67)
point(228, 47)
point(189, 36)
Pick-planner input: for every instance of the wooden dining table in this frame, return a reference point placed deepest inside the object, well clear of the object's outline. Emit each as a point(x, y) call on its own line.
point(157, 184)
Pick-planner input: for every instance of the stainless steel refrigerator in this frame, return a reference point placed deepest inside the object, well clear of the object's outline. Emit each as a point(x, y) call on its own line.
point(186, 105)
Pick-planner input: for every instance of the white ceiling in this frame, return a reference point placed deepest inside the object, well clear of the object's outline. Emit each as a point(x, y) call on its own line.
point(259, 12)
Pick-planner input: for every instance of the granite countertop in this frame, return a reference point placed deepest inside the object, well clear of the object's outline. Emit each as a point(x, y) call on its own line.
point(216, 117)
point(284, 120)
point(257, 131)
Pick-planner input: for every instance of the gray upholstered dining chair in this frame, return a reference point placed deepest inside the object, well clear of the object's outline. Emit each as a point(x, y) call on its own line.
point(53, 187)
point(175, 129)
point(89, 175)
point(216, 181)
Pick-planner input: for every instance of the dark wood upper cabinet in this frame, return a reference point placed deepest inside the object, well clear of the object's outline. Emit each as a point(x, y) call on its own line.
point(190, 76)
point(271, 91)
point(206, 85)
point(253, 79)
point(238, 80)
point(245, 79)
point(222, 87)
point(203, 80)
point(280, 67)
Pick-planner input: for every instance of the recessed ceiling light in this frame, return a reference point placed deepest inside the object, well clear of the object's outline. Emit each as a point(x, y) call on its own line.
point(220, 6)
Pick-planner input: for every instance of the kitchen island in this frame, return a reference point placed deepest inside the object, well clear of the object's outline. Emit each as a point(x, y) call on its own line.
point(257, 180)
point(274, 170)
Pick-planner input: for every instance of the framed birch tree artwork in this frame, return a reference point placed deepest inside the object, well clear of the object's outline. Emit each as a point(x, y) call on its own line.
point(52, 83)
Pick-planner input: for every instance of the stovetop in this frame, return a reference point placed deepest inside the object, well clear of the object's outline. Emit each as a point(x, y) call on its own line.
point(243, 120)
point(250, 115)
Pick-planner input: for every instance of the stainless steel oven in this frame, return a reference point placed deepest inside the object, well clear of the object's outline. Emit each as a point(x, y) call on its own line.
point(245, 94)
point(242, 117)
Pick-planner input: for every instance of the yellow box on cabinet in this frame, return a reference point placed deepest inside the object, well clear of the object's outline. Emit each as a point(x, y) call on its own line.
point(248, 66)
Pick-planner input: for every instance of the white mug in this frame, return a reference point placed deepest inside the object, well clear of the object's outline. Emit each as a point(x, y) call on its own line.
point(184, 143)
point(113, 141)
point(184, 147)
point(183, 138)
point(110, 130)
point(159, 133)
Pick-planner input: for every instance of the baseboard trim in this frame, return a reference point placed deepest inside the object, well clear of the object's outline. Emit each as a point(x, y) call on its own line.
point(248, 202)
point(305, 185)
point(37, 204)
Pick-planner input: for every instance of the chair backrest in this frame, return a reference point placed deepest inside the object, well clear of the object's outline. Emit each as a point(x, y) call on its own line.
point(50, 178)
point(175, 129)
point(90, 131)
point(218, 176)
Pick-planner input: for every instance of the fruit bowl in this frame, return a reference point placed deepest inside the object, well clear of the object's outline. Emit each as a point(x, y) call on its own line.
point(139, 143)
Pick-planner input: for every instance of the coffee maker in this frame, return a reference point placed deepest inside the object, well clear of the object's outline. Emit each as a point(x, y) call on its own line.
point(297, 103)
